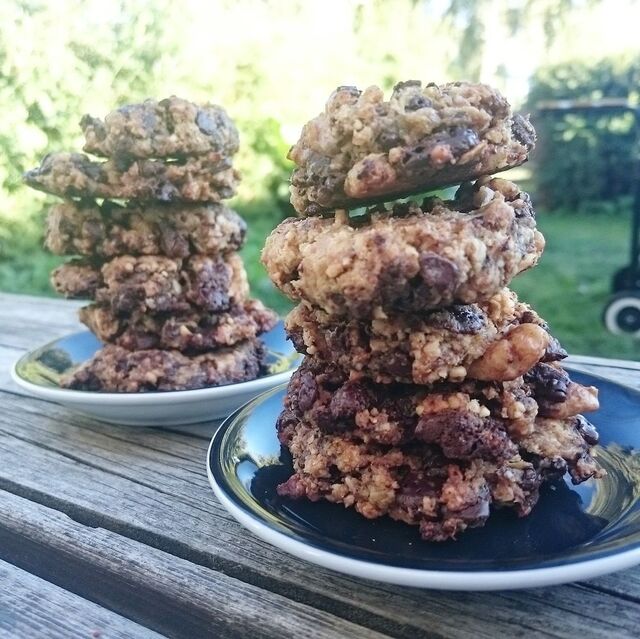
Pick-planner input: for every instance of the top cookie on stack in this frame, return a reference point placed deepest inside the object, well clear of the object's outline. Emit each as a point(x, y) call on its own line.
point(170, 292)
point(166, 151)
point(364, 149)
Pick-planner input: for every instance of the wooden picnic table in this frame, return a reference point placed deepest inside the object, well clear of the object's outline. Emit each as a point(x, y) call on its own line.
point(110, 531)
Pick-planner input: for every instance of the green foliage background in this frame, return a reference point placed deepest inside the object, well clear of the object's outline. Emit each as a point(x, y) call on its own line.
point(273, 64)
point(587, 156)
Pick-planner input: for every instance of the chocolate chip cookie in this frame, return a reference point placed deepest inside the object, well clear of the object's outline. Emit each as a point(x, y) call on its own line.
point(438, 457)
point(174, 230)
point(170, 128)
point(194, 331)
point(411, 258)
point(414, 484)
point(156, 284)
point(497, 340)
point(468, 420)
point(206, 178)
point(363, 148)
point(114, 369)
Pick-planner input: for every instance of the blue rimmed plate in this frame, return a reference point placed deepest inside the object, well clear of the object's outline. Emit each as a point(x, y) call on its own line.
point(39, 373)
point(574, 533)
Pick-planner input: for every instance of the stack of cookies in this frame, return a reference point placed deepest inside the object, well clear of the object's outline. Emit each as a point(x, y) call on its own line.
point(429, 392)
point(156, 249)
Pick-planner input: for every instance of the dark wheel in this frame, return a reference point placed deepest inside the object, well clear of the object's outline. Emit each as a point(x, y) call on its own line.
point(624, 280)
point(622, 314)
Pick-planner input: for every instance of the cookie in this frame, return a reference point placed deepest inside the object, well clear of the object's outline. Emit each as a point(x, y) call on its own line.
point(411, 258)
point(114, 369)
point(364, 149)
point(156, 284)
point(195, 331)
point(170, 128)
point(206, 178)
point(77, 279)
point(468, 420)
point(109, 230)
point(497, 340)
point(558, 446)
point(415, 484)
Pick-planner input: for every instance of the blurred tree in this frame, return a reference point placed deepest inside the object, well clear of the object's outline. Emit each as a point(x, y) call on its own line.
point(585, 157)
point(54, 56)
point(484, 21)
point(272, 64)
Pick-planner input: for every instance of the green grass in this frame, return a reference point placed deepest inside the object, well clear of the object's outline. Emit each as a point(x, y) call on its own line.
point(259, 227)
point(572, 283)
point(569, 288)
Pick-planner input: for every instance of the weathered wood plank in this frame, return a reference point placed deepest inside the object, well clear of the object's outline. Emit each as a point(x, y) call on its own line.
point(170, 595)
point(28, 322)
point(32, 607)
point(152, 487)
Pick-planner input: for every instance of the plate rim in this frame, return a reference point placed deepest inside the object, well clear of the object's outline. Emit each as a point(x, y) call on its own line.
point(74, 396)
point(481, 580)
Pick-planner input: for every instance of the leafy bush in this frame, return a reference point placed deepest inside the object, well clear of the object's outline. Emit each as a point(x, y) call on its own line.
point(587, 155)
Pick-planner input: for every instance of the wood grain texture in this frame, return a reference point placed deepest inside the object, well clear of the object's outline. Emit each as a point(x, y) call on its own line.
point(32, 608)
point(171, 595)
point(149, 488)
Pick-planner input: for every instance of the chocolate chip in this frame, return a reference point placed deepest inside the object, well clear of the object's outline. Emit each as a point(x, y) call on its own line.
point(348, 400)
point(420, 484)
point(149, 120)
point(438, 273)
point(464, 320)
point(416, 102)
point(549, 383)
point(286, 422)
point(399, 406)
point(208, 287)
point(307, 391)
point(92, 170)
point(402, 209)
point(206, 123)
point(325, 421)
point(465, 435)
point(166, 192)
point(554, 351)
point(398, 363)
point(349, 89)
point(126, 299)
point(121, 161)
point(173, 244)
point(462, 139)
point(388, 139)
point(587, 430)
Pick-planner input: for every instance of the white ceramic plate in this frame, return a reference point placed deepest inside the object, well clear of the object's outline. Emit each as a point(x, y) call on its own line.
point(574, 533)
point(39, 371)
